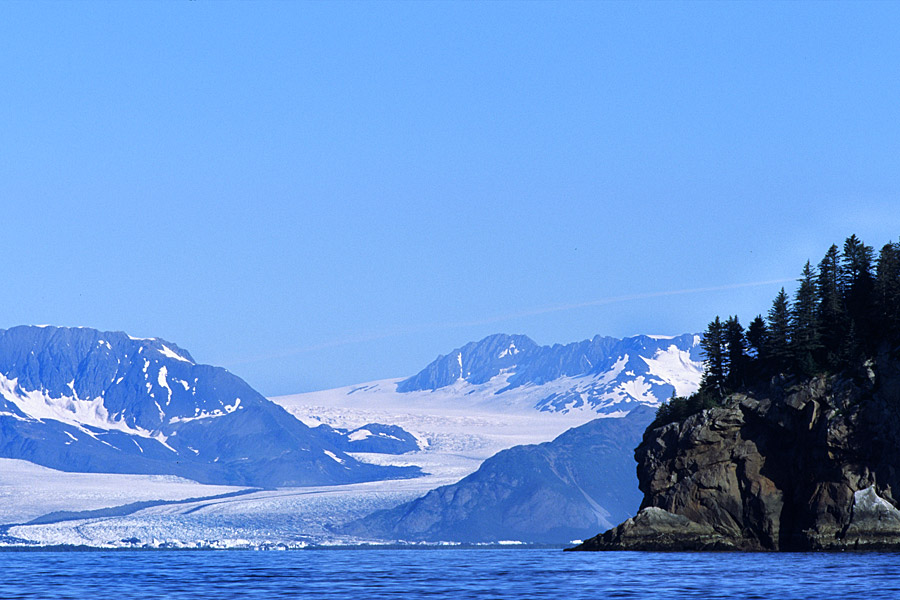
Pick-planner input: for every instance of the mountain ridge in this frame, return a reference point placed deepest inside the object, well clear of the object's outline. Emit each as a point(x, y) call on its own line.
point(80, 399)
point(609, 371)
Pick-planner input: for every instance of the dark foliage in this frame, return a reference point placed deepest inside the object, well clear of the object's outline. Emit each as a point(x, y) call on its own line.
point(679, 408)
point(843, 311)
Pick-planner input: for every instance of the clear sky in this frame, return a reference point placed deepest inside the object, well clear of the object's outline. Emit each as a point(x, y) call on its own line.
point(319, 194)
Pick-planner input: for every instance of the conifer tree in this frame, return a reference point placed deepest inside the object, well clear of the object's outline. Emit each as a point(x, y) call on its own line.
point(736, 357)
point(713, 345)
point(844, 311)
point(805, 329)
point(757, 339)
point(887, 291)
point(779, 326)
point(859, 289)
point(757, 335)
point(832, 315)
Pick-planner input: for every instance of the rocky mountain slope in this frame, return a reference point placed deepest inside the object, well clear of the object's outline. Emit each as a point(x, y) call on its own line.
point(552, 492)
point(79, 399)
point(796, 465)
point(603, 375)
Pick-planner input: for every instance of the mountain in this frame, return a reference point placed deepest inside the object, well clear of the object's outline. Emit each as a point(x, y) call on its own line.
point(484, 414)
point(546, 493)
point(78, 399)
point(604, 374)
point(372, 438)
point(796, 465)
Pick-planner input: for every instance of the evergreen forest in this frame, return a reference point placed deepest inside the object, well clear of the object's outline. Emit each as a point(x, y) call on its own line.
point(843, 312)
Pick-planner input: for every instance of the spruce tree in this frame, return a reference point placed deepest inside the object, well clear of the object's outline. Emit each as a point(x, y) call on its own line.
point(779, 326)
point(805, 329)
point(757, 339)
point(736, 357)
point(859, 291)
point(844, 311)
point(757, 335)
point(887, 292)
point(832, 315)
point(713, 344)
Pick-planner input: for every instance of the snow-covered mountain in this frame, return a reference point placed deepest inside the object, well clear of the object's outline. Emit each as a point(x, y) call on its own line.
point(506, 390)
point(485, 414)
point(79, 399)
point(604, 374)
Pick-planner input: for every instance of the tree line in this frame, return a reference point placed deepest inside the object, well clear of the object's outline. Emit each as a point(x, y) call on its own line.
point(843, 310)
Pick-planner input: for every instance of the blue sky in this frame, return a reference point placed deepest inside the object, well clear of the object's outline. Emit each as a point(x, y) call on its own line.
point(319, 194)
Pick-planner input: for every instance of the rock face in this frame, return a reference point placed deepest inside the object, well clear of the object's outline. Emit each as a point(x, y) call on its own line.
point(546, 493)
point(804, 466)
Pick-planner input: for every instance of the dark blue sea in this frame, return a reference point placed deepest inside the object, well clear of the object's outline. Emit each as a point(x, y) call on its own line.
point(444, 573)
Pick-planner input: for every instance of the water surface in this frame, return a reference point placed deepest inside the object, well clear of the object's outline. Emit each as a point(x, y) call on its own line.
point(444, 573)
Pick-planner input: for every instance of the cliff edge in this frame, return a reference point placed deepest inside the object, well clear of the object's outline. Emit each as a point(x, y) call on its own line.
point(793, 466)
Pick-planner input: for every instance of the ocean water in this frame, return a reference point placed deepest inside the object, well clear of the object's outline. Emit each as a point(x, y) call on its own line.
point(444, 573)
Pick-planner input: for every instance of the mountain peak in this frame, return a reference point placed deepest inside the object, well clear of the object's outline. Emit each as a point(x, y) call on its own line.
point(475, 362)
point(79, 399)
point(600, 372)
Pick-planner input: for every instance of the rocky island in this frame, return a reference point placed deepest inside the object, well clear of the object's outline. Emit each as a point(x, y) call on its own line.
point(807, 458)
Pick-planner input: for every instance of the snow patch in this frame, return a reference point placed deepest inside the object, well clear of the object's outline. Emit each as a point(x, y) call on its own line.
point(639, 389)
point(359, 434)
point(40, 406)
point(162, 381)
point(512, 350)
point(676, 368)
point(168, 352)
point(203, 414)
point(334, 456)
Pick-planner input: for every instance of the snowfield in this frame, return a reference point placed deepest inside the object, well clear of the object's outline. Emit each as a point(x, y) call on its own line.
point(28, 491)
point(457, 427)
point(292, 517)
point(455, 436)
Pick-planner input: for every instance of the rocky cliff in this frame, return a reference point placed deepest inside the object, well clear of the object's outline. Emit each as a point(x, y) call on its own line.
point(811, 465)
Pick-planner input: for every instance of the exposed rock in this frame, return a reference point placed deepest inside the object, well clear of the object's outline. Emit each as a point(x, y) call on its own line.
point(808, 466)
point(656, 529)
point(546, 493)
